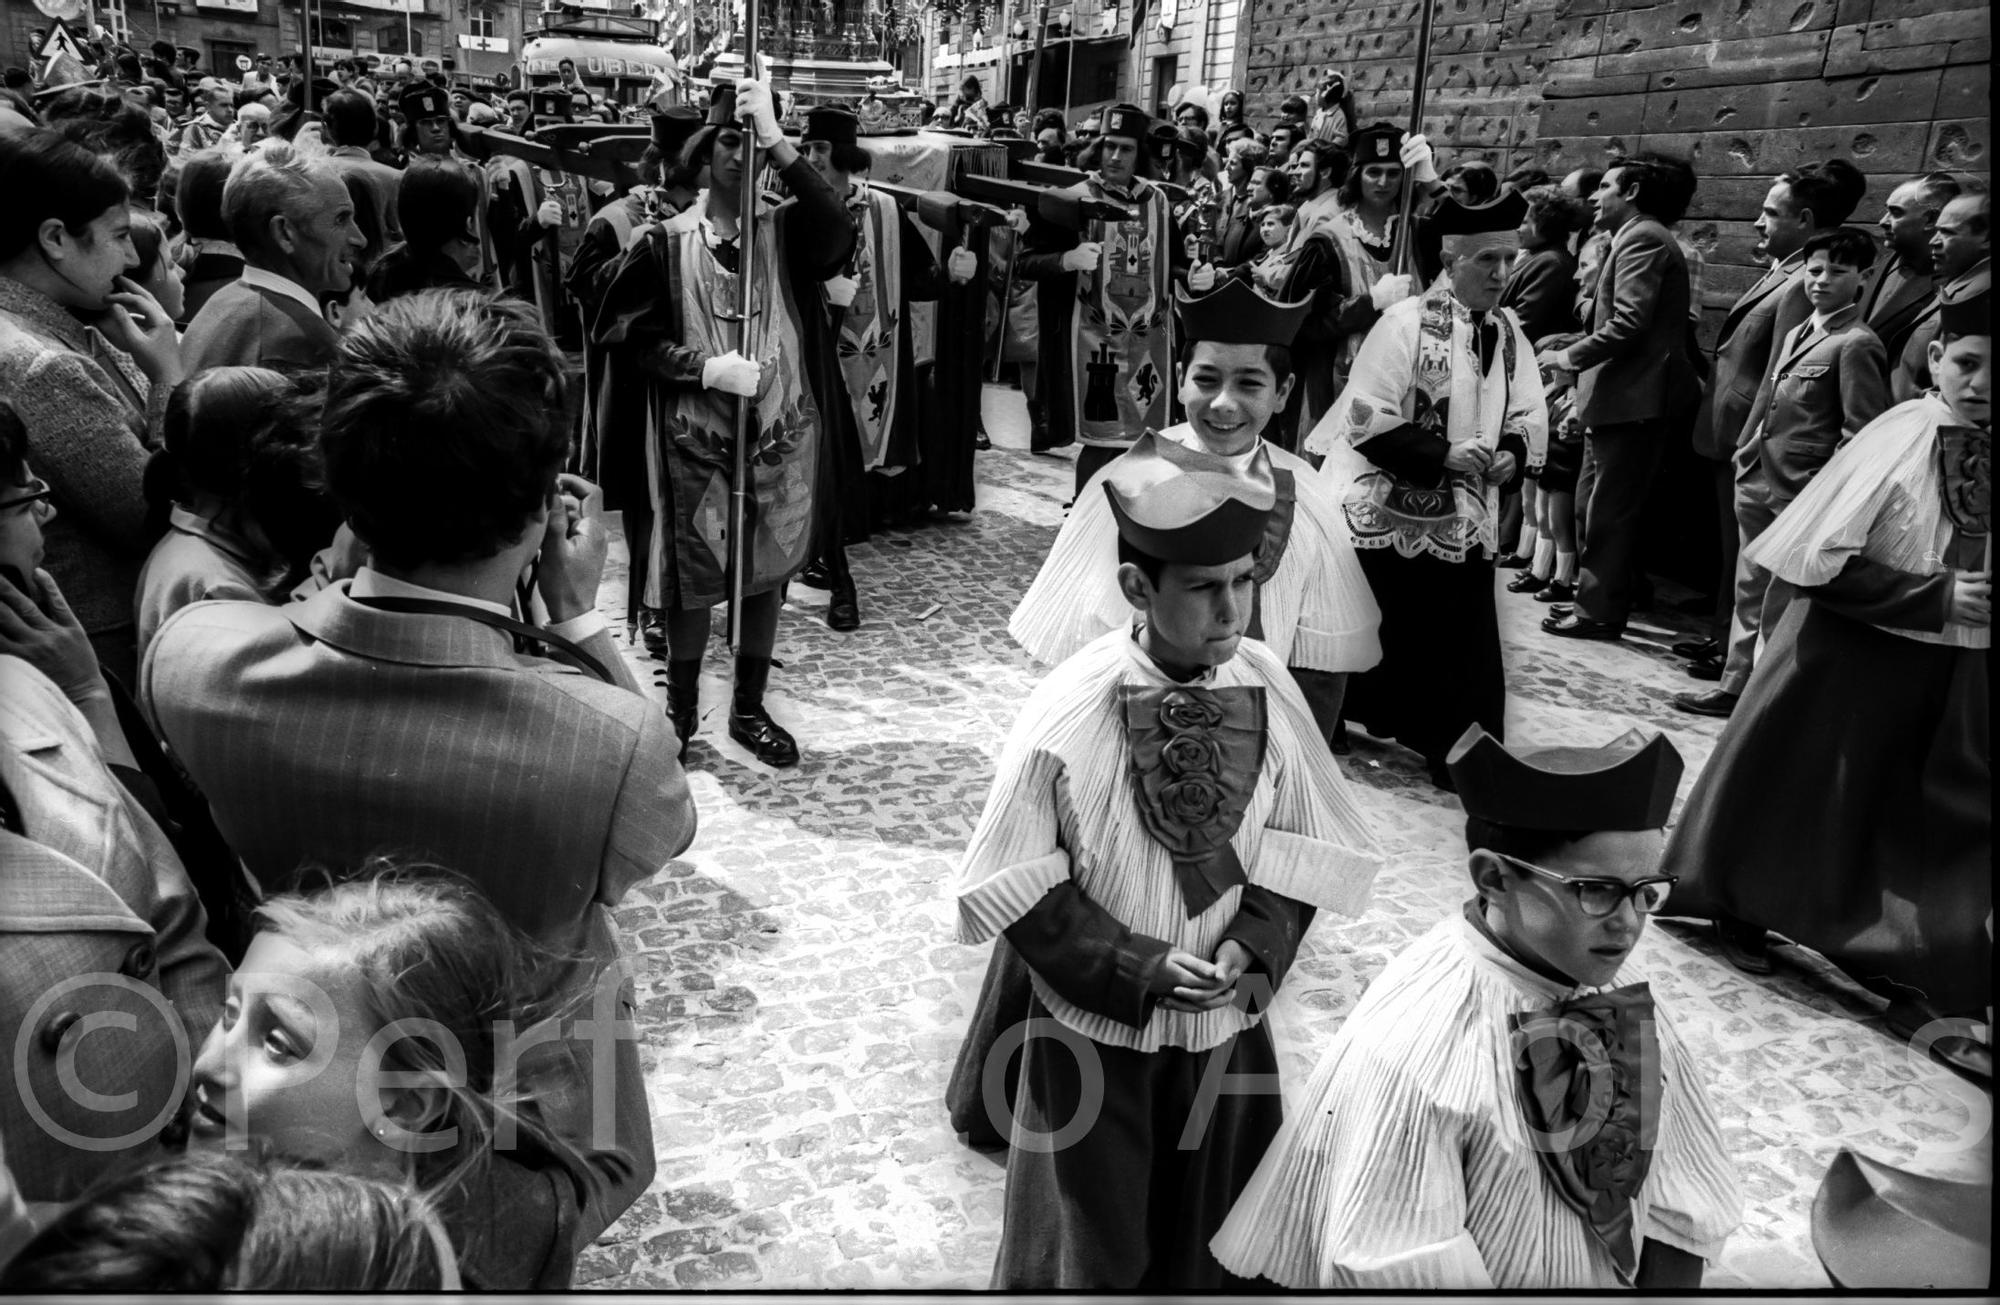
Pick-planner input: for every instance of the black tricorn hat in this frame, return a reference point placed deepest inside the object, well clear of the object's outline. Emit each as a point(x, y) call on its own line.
point(1190, 506)
point(721, 104)
point(1378, 142)
point(1627, 783)
point(550, 102)
point(834, 126)
point(423, 100)
point(1236, 312)
point(1504, 212)
point(1127, 120)
point(672, 127)
point(1875, 1226)
point(1966, 314)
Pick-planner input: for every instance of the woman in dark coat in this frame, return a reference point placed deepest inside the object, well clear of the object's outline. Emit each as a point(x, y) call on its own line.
point(435, 207)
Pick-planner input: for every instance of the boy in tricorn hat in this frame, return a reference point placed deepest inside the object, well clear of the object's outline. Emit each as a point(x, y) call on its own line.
point(1849, 803)
point(1164, 823)
point(1312, 609)
point(1506, 1107)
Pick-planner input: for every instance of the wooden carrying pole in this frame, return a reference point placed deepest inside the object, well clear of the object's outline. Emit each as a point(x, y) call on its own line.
point(746, 309)
point(1405, 257)
point(1034, 103)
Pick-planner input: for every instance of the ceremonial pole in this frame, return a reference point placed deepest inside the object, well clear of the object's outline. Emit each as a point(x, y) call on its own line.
point(1405, 257)
point(1035, 69)
point(746, 307)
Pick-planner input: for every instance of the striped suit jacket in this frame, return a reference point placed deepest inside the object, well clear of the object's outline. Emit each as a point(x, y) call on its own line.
point(326, 731)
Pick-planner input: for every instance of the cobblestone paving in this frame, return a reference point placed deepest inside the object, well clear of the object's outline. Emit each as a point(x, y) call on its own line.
point(801, 999)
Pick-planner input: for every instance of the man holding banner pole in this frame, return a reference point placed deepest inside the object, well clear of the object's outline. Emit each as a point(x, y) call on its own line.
point(670, 321)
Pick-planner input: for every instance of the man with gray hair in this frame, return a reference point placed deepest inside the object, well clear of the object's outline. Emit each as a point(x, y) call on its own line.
point(290, 214)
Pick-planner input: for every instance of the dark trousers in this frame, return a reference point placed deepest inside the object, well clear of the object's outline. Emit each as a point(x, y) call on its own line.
point(1122, 1206)
point(1727, 536)
point(1091, 459)
point(638, 543)
point(1619, 463)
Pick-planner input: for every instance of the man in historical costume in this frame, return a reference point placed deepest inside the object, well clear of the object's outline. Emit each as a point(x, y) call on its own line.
point(427, 129)
point(1443, 406)
point(1792, 210)
point(1869, 710)
point(612, 453)
point(1429, 1151)
point(1321, 265)
point(871, 417)
point(1313, 609)
point(530, 211)
point(1164, 823)
point(1827, 379)
point(1107, 304)
point(663, 314)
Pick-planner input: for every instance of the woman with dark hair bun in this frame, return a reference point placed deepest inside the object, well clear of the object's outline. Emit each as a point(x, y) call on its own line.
point(240, 463)
point(65, 246)
point(436, 204)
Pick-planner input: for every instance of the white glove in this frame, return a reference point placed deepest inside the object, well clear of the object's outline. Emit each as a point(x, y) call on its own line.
point(1391, 289)
point(731, 373)
point(961, 266)
point(1017, 219)
point(1201, 279)
point(840, 290)
point(601, 188)
point(550, 214)
point(1084, 258)
point(1417, 160)
point(753, 105)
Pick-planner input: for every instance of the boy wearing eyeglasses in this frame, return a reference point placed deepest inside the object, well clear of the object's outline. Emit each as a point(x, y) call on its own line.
point(1506, 1108)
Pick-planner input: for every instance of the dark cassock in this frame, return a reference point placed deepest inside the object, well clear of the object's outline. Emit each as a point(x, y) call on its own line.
point(663, 319)
point(871, 415)
point(1848, 805)
point(1443, 392)
point(612, 447)
point(1107, 322)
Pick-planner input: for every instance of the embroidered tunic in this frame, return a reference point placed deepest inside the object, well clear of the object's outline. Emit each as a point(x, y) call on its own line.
point(1109, 334)
point(1408, 1163)
point(1314, 607)
point(661, 306)
point(1420, 367)
point(1064, 807)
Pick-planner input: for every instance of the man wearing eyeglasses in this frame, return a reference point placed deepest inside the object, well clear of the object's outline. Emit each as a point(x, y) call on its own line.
point(1507, 1107)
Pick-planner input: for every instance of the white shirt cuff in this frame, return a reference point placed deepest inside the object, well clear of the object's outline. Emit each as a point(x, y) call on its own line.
point(579, 628)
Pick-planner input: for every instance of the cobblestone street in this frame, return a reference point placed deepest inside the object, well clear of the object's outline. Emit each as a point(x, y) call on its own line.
point(801, 999)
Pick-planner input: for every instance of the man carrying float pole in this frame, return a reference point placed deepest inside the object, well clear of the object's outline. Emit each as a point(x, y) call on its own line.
point(666, 309)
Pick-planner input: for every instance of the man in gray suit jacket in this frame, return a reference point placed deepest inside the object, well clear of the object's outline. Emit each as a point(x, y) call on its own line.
point(293, 220)
point(1634, 378)
point(351, 126)
point(1799, 204)
point(1828, 378)
point(392, 711)
point(1905, 281)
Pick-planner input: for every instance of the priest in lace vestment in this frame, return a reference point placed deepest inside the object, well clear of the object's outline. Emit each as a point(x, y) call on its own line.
point(1443, 407)
point(1508, 1107)
point(1165, 821)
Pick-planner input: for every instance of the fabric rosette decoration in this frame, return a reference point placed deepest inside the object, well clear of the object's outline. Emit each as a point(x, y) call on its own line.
point(1196, 755)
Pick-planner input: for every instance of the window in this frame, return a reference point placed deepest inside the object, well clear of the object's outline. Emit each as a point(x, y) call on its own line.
point(481, 21)
point(1166, 72)
point(397, 38)
point(1107, 87)
point(333, 33)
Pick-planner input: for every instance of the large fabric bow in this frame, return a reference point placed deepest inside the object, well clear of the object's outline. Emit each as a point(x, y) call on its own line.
point(1589, 1074)
point(1965, 463)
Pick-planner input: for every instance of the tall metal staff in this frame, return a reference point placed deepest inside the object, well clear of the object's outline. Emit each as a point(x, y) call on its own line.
point(746, 308)
point(1404, 259)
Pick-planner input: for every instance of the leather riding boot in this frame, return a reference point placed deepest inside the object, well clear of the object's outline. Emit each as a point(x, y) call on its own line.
point(684, 700)
point(750, 724)
point(843, 608)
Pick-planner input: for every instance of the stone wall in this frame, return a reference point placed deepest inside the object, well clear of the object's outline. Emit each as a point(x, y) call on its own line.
point(1744, 88)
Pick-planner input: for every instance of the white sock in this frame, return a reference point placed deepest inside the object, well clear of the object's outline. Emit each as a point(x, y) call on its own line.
point(1528, 543)
point(1566, 568)
point(1545, 555)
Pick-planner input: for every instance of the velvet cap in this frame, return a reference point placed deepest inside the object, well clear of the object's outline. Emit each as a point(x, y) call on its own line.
point(1378, 142)
point(1627, 783)
point(1236, 312)
point(1190, 506)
